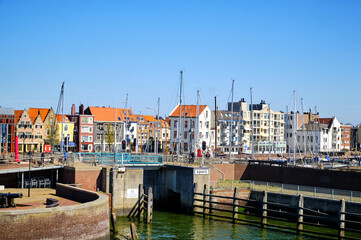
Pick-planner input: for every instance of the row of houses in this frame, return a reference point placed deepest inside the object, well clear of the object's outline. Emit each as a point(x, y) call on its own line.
point(96, 129)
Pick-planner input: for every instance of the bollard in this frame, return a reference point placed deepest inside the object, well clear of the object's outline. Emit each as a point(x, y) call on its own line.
point(341, 219)
point(235, 207)
point(264, 210)
point(300, 214)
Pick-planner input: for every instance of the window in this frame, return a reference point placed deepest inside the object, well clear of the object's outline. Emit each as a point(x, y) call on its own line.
point(175, 123)
point(206, 134)
point(87, 129)
point(130, 114)
point(66, 127)
point(87, 120)
point(206, 114)
point(86, 138)
point(186, 124)
point(175, 134)
point(185, 134)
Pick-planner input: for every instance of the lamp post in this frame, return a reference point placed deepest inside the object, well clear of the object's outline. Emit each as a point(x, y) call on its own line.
point(156, 134)
point(115, 131)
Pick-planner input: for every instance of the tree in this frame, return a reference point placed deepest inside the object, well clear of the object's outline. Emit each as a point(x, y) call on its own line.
point(109, 135)
point(52, 132)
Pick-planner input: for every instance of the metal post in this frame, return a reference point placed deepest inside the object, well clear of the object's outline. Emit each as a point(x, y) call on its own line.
point(157, 134)
point(252, 123)
point(29, 178)
point(314, 191)
point(235, 207)
point(264, 210)
point(298, 189)
point(332, 194)
point(231, 127)
point(351, 196)
point(341, 219)
point(282, 188)
point(115, 135)
point(300, 214)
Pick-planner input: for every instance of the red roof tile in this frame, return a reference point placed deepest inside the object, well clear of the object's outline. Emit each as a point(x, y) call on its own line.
point(188, 110)
point(103, 114)
point(34, 112)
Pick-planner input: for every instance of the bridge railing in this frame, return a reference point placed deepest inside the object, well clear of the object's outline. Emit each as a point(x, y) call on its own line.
point(125, 158)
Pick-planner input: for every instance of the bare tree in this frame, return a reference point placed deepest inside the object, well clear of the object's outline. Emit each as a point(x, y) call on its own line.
point(109, 135)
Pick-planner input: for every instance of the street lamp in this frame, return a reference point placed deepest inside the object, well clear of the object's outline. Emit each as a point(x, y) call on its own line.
point(156, 135)
point(115, 131)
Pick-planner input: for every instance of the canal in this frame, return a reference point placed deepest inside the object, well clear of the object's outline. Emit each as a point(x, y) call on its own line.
point(167, 225)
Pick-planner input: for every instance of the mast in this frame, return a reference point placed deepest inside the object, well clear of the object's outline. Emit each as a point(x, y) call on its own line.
point(231, 127)
point(252, 123)
point(288, 133)
point(294, 126)
point(180, 114)
point(197, 125)
point(215, 123)
point(269, 131)
point(126, 122)
point(157, 134)
point(62, 118)
point(304, 130)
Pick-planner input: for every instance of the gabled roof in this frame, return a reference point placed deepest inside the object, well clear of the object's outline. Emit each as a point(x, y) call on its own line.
point(104, 114)
point(327, 121)
point(34, 112)
point(59, 118)
point(187, 111)
point(17, 114)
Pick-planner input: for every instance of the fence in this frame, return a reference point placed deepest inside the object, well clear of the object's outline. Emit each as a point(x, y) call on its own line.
point(120, 158)
point(279, 216)
point(317, 192)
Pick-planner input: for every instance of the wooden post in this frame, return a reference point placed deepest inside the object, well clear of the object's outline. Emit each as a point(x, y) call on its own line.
point(194, 197)
point(133, 232)
point(235, 203)
point(300, 214)
point(204, 199)
point(140, 200)
point(150, 205)
point(264, 210)
point(341, 218)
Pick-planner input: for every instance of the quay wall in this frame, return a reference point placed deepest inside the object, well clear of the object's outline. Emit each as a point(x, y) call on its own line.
point(289, 175)
point(89, 220)
point(89, 177)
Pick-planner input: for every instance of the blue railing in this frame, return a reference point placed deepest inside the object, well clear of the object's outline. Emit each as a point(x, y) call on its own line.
point(126, 158)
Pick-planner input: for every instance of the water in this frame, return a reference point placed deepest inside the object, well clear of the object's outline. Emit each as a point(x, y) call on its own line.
point(180, 226)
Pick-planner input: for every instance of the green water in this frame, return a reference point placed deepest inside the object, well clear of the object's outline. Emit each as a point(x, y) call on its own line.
point(167, 225)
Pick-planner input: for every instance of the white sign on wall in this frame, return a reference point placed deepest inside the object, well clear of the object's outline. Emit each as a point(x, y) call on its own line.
point(132, 193)
point(201, 171)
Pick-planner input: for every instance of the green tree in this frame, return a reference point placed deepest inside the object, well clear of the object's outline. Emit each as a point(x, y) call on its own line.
point(52, 133)
point(109, 135)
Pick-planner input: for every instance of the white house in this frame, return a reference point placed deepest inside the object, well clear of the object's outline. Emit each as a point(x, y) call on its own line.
point(320, 136)
point(183, 137)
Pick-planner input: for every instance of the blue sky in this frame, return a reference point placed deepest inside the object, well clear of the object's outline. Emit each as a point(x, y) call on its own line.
point(103, 50)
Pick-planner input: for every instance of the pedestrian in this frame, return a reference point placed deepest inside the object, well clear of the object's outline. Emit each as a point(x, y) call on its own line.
point(65, 156)
point(43, 158)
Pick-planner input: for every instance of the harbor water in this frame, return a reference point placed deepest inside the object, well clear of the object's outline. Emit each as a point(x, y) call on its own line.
point(167, 225)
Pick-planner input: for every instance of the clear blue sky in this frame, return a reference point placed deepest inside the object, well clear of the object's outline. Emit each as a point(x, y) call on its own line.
point(105, 49)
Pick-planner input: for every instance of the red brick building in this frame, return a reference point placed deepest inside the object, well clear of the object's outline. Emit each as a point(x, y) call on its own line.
point(346, 137)
point(7, 130)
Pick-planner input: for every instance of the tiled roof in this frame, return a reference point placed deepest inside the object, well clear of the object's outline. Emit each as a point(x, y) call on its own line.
point(59, 118)
point(34, 112)
point(17, 114)
point(103, 114)
point(327, 121)
point(188, 111)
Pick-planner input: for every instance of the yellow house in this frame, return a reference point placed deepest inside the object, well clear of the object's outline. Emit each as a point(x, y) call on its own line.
point(68, 131)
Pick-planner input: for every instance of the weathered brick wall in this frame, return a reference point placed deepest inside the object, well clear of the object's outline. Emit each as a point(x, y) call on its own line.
point(227, 169)
point(82, 221)
point(90, 178)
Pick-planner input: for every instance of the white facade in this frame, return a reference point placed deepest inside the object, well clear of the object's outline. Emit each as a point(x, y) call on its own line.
point(188, 127)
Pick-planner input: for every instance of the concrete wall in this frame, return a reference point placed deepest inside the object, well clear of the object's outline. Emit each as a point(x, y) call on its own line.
point(289, 175)
point(126, 184)
point(173, 186)
point(89, 220)
point(318, 204)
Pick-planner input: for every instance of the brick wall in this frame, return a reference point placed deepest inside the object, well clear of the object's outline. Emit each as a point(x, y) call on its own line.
point(82, 221)
point(90, 178)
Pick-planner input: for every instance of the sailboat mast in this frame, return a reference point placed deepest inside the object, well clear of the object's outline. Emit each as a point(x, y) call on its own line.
point(197, 123)
point(252, 123)
point(215, 123)
point(269, 131)
point(288, 133)
point(304, 130)
point(231, 127)
point(180, 113)
point(62, 118)
point(294, 126)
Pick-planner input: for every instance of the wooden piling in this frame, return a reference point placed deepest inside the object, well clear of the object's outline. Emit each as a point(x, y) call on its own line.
point(341, 219)
point(140, 200)
point(205, 192)
point(150, 205)
point(300, 214)
point(133, 232)
point(235, 205)
point(264, 210)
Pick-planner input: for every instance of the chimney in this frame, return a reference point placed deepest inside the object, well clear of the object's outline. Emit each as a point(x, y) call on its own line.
point(81, 109)
point(73, 109)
